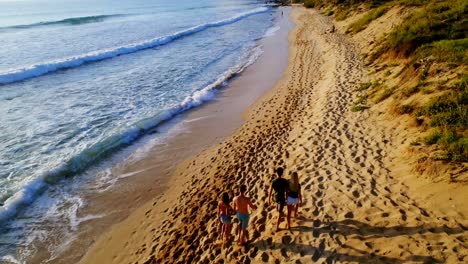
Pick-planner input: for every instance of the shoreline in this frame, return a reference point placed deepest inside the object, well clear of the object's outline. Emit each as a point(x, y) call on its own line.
point(199, 128)
point(356, 206)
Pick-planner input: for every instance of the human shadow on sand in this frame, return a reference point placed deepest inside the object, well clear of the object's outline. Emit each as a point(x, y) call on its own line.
point(359, 230)
point(353, 227)
point(319, 252)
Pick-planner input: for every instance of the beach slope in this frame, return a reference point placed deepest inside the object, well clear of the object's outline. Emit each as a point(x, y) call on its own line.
point(356, 208)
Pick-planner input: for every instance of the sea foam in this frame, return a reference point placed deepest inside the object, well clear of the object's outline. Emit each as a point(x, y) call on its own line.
point(39, 69)
point(104, 148)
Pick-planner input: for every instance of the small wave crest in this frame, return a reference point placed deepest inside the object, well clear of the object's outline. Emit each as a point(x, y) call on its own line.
point(271, 31)
point(36, 70)
point(105, 148)
point(67, 21)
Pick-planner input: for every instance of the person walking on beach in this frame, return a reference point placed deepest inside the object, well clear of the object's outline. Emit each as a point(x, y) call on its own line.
point(294, 199)
point(279, 185)
point(241, 206)
point(224, 213)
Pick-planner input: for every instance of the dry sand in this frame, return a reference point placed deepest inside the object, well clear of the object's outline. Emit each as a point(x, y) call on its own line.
point(358, 205)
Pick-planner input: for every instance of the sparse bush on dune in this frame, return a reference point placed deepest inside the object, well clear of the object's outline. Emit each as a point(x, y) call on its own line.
point(449, 114)
point(452, 51)
point(369, 17)
point(432, 33)
point(438, 20)
point(384, 94)
point(358, 108)
point(455, 146)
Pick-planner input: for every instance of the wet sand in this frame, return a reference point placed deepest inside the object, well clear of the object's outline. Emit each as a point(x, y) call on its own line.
point(358, 206)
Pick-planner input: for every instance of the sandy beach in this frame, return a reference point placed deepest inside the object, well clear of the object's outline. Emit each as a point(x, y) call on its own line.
point(362, 203)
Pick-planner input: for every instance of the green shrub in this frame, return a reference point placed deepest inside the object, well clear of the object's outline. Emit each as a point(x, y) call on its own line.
point(433, 137)
point(364, 86)
point(456, 117)
point(452, 51)
point(386, 93)
point(439, 20)
point(358, 108)
point(455, 146)
point(458, 150)
point(450, 109)
point(362, 99)
point(447, 138)
point(449, 113)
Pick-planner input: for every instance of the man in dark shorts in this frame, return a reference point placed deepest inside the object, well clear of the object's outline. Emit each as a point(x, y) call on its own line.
point(279, 185)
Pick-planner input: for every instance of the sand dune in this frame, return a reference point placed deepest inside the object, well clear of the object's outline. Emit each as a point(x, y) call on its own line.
point(355, 210)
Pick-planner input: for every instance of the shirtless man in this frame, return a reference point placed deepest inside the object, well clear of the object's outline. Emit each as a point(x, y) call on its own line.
point(241, 206)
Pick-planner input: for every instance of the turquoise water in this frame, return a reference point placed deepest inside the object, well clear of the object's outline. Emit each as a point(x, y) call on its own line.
point(82, 80)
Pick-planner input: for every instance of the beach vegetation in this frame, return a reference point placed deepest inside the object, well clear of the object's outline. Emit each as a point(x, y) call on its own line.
point(449, 109)
point(454, 146)
point(437, 21)
point(362, 99)
point(410, 90)
point(358, 108)
point(364, 86)
point(384, 94)
point(432, 41)
point(371, 15)
point(448, 114)
point(451, 51)
point(405, 109)
point(329, 12)
point(433, 137)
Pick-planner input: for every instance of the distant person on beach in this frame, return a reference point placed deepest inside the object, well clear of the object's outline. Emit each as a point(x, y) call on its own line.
point(294, 199)
point(225, 213)
point(279, 185)
point(241, 206)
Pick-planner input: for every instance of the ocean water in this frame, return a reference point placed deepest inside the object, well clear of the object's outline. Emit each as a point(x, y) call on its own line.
point(82, 80)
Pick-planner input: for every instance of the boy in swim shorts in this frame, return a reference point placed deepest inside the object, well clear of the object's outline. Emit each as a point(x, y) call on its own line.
point(241, 206)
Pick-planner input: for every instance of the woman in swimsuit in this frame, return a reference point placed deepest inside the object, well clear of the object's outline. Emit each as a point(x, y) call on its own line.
point(224, 213)
point(294, 199)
